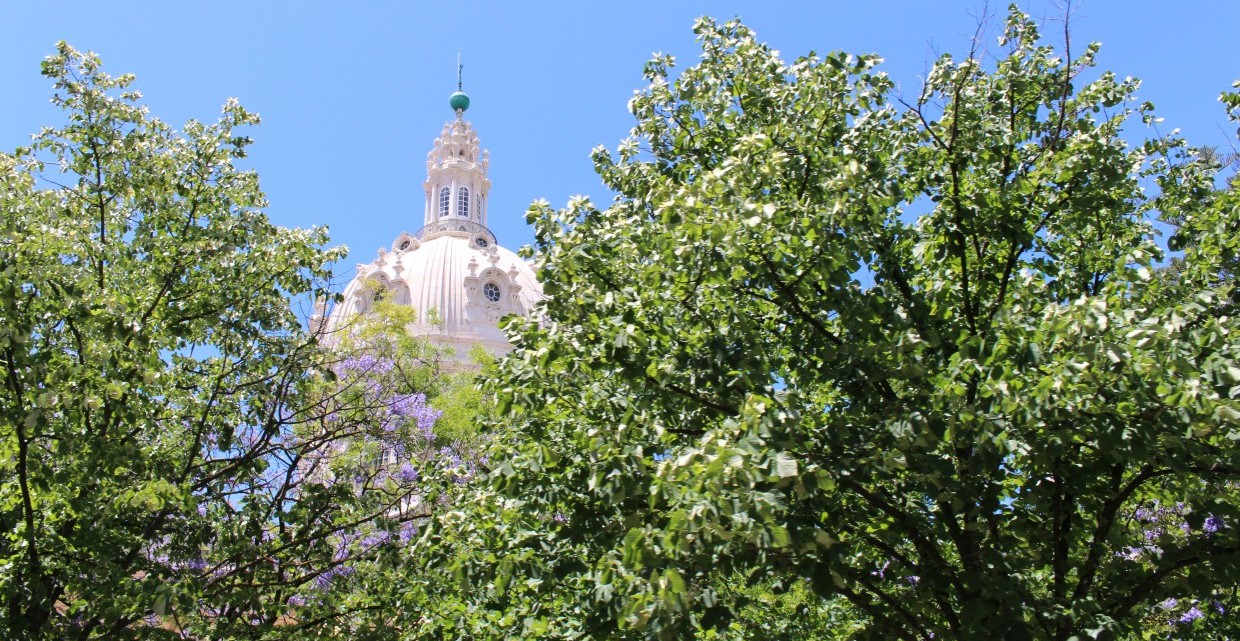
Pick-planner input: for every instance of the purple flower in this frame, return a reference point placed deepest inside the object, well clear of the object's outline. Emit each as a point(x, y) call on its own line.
point(1218, 607)
point(1192, 615)
point(1212, 524)
point(376, 539)
point(407, 473)
point(296, 600)
point(412, 407)
point(324, 580)
point(365, 363)
point(453, 457)
point(1169, 604)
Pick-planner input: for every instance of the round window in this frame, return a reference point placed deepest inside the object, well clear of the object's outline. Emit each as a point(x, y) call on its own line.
point(404, 244)
point(491, 291)
point(480, 241)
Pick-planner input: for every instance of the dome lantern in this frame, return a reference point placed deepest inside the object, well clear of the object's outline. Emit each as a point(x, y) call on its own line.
point(452, 271)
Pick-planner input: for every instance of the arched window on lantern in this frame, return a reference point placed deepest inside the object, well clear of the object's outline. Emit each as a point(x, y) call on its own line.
point(445, 199)
point(462, 202)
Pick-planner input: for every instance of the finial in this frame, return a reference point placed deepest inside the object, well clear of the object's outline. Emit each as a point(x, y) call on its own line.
point(459, 101)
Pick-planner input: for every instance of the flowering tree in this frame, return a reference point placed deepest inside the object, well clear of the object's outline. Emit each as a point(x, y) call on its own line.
point(916, 355)
point(405, 461)
point(164, 423)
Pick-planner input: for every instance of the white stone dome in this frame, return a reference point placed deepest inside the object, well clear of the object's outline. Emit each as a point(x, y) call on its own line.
point(452, 271)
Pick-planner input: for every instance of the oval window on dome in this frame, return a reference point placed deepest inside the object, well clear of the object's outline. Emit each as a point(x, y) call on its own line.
point(404, 244)
point(491, 292)
point(481, 242)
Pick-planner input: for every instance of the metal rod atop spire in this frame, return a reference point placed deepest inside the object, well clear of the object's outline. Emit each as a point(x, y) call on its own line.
point(459, 101)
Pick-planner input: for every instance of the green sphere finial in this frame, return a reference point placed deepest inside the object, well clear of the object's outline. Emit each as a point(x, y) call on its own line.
point(458, 100)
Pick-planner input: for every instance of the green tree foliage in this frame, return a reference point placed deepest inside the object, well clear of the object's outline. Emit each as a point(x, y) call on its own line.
point(1229, 198)
point(917, 356)
point(411, 411)
point(161, 400)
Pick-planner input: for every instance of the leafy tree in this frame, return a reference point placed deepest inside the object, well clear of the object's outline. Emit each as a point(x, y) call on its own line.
point(415, 452)
point(914, 356)
point(1226, 197)
point(163, 406)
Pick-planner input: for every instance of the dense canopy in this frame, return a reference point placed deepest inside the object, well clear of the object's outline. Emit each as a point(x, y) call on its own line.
point(834, 363)
point(924, 357)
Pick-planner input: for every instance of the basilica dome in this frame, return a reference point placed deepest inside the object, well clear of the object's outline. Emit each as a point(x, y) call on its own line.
point(452, 270)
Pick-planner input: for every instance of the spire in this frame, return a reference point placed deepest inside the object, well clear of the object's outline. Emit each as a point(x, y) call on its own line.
point(459, 101)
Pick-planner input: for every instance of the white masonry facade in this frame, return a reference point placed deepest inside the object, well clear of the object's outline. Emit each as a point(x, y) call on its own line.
point(452, 271)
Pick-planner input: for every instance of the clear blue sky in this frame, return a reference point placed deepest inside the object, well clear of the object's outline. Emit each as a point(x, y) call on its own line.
point(353, 93)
